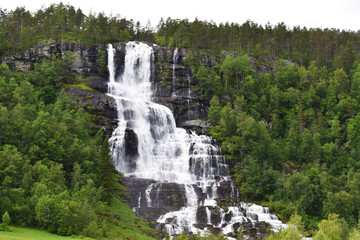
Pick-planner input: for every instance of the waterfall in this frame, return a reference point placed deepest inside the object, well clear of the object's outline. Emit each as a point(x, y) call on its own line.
point(189, 94)
point(147, 144)
point(175, 57)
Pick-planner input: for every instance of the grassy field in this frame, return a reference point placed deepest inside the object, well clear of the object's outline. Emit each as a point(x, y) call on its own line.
point(19, 233)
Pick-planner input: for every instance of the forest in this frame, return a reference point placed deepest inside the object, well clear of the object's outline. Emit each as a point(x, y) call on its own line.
point(293, 133)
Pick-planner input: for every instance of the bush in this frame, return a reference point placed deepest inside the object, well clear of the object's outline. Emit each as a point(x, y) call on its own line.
point(6, 219)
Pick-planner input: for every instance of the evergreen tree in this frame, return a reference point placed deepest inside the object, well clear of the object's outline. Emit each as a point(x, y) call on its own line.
point(106, 171)
point(6, 219)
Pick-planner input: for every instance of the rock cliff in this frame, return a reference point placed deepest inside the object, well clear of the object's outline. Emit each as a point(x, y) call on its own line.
point(85, 64)
point(173, 84)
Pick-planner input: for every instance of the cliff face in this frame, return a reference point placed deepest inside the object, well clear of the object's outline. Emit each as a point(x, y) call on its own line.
point(175, 87)
point(86, 61)
point(172, 82)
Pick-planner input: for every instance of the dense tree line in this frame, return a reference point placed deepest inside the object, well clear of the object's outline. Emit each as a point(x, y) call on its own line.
point(21, 29)
point(48, 159)
point(328, 47)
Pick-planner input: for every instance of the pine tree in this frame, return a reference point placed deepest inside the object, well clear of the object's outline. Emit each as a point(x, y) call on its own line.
point(106, 171)
point(6, 221)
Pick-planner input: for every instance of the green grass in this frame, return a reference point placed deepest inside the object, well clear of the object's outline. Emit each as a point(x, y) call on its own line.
point(126, 225)
point(82, 86)
point(80, 83)
point(20, 233)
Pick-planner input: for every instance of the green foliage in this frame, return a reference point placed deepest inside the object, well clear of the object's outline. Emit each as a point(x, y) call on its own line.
point(106, 171)
point(295, 231)
point(49, 161)
point(6, 219)
point(101, 61)
point(331, 229)
point(294, 137)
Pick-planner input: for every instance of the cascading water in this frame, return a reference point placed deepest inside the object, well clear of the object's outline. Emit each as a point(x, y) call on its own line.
point(148, 145)
point(175, 57)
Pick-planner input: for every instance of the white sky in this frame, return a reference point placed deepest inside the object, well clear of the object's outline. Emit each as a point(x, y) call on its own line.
point(341, 14)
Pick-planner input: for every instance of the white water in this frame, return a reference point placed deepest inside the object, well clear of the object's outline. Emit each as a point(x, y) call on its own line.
point(175, 57)
point(161, 145)
point(167, 153)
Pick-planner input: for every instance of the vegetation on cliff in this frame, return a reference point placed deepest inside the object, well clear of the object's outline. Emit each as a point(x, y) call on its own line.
point(292, 133)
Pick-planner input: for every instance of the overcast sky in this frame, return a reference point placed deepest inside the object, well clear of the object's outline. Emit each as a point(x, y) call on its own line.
point(341, 14)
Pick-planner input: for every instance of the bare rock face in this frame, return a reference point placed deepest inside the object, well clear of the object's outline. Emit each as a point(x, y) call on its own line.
point(98, 84)
point(151, 199)
point(86, 58)
point(174, 86)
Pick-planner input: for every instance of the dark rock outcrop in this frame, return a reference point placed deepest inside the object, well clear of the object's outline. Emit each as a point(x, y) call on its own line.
point(101, 106)
point(131, 149)
point(86, 58)
point(175, 87)
point(255, 230)
point(164, 197)
point(98, 84)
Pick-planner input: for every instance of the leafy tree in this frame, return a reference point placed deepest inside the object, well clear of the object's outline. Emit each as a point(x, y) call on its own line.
point(294, 231)
point(330, 229)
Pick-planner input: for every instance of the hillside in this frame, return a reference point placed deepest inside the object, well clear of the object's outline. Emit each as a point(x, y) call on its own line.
point(282, 104)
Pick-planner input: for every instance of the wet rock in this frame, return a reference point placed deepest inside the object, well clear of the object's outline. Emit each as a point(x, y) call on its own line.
point(256, 230)
point(216, 231)
point(151, 214)
point(131, 149)
point(201, 226)
point(252, 216)
point(228, 216)
point(169, 194)
point(236, 227)
point(215, 215)
point(160, 90)
point(136, 188)
point(201, 216)
point(200, 126)
point(225, 189)
point(164, 197)
point(120, 52)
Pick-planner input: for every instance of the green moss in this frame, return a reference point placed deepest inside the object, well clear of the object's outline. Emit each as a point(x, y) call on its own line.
point(166, 83)
point(90, 96)
point(82, 86)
